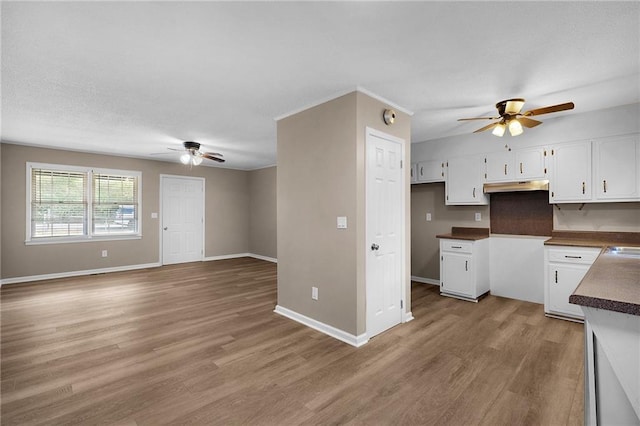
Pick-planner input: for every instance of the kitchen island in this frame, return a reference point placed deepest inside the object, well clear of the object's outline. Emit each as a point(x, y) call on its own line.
point(609, 295)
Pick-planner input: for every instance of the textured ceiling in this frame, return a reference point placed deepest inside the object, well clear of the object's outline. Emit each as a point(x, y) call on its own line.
point(133, 78)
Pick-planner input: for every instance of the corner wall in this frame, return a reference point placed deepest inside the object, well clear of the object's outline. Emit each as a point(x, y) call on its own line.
point(262, 212)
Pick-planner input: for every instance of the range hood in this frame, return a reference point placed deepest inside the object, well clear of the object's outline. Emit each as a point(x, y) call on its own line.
point(531, 185)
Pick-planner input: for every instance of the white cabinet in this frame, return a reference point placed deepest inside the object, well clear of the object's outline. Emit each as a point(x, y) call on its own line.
point(464, 268)
point(465, 178)
point(616, 168)
point(430, 171)
point(564, 269)
point(570, 180)
point(414, 173)
point(519, 165)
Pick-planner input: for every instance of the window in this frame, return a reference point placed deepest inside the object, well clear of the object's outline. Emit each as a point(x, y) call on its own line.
point(67, 203)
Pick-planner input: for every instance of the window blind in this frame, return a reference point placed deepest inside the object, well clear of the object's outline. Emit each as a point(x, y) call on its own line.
point(115, 204)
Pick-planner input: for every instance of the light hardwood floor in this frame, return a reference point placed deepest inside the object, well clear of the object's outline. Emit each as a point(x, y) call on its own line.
point(199, 344)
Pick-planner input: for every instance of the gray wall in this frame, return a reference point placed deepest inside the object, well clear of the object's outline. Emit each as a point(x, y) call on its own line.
point(623, 217)
point(321, 176)
point(226, 210)
point(262, 212)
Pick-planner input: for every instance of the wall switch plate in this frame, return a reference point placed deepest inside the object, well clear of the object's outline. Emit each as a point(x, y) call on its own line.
point(478, 217)
point(105, 253)
point(154, 215)
point(428, 217)
point(342, 222)
point(314, 293)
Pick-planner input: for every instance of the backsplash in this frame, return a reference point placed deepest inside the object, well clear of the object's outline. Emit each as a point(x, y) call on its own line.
point(622, 217)
point(521, 213)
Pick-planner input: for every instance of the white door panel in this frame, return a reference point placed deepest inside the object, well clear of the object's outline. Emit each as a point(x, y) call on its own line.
point(385, 228)
point(182, 219)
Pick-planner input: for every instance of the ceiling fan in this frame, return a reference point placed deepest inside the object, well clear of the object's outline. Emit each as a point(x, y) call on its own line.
point(511, 117)
point(193, 155)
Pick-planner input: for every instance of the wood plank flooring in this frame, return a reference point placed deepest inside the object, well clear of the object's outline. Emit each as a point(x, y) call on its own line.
point(199, 344)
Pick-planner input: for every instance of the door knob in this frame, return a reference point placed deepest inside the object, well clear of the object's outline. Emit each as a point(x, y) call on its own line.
point(374, 246)
point(165, 228)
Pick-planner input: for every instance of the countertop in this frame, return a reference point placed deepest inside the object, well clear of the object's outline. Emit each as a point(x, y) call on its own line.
point(470, 234)
point(612, 283)
point(593, 239)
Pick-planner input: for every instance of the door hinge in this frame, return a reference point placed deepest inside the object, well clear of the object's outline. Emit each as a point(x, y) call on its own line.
point(401, 305)
point(400, 163)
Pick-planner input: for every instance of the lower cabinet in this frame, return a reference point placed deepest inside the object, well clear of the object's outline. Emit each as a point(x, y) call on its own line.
point(564, 269)
point(464, 268)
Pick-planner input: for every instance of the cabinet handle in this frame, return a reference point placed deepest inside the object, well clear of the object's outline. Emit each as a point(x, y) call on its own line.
point(556, 277)
point(474, 193)
point(583, 187)
point(505, 169)
point(572, 257)
point(466, 265)
point(421, 170)
point(604, 184)
point(456, 246)
point(520, 168)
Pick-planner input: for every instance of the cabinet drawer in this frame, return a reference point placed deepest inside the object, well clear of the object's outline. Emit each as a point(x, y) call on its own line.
point(456, 246)
point(585, 256)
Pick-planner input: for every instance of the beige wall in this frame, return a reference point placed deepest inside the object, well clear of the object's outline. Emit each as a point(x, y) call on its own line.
point(321, 176)
point(262, 212)
point(226, 214)
point(621, 217)
point(425, 251)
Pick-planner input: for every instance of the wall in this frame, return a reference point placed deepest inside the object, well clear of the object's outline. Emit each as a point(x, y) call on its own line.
point(226, 214)
point(262, 212)
point(425, 251)
point(321, 175)
point(565, 128)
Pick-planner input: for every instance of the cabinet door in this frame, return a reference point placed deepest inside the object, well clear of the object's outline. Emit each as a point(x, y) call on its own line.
point(499, 166)
point(570, 179)
point(431, 171)
point(465, 177)
point(617, 168)
point(563, 280)
point(456, 274)
point(530, 164)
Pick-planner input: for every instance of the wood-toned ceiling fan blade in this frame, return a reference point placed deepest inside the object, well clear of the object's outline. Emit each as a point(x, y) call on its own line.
point(488, 127)
point(478, 118)
point(550, 109)
point(211, 157)
point(528, 122)
point(217, 154)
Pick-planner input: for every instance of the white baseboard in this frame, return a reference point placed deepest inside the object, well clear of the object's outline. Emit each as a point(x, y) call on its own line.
point(425, 280)
point(329, 330)
point(238, 255)
point(408, 316)
point(43, 277)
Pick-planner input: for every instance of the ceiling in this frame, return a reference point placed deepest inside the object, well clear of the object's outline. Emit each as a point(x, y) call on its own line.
point(134, 78)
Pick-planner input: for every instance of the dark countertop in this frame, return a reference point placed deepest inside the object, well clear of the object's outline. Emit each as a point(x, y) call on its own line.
point(471, 234)
point(593, 239)
point(612, 283)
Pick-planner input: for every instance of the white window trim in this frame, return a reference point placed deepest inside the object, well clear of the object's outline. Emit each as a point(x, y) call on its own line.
point(90, 171)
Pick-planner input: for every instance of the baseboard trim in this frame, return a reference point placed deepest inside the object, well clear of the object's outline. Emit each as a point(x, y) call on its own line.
point(238, 255)
point(329, 330)
point(261, 257)
point(69, 274)
point(408, 316)
point(425, 280)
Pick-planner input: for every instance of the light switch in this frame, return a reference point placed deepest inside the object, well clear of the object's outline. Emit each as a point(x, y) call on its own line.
point(154, 215)
point(428, 217)
point(478, 217)
point(342, 222)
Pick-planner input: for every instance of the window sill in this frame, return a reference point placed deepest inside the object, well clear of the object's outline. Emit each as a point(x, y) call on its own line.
point(65, 240)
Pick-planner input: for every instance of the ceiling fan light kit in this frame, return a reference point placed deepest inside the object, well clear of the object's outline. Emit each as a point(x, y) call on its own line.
point(511, 117)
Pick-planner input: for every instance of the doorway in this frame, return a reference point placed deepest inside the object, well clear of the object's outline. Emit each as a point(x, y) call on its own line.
point(182, 227)
point(385, 231)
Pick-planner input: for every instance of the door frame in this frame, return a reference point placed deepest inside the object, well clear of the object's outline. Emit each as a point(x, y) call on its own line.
point(369, 131)
point(160, 213)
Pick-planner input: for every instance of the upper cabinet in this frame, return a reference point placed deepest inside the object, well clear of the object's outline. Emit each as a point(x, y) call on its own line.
point(465, 178)
point(616, 168)
point(519, 165)
point(570, 178)
point(602, 170)
point(428, 171)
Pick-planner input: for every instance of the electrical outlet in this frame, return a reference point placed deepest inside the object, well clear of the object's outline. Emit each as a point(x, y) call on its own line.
point(478, 217)
point(428, 217)
point(314, 293)
point(105, 253)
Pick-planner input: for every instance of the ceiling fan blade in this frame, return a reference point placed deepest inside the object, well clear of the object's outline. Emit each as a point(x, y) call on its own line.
point(550, 109)
point(217, 154)
point(211, 157)
point(176, 149)
point(528, 122)
point(478, 118)
point(488, 127)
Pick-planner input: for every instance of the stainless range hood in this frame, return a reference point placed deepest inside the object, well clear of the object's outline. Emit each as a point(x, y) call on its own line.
point(531, 185)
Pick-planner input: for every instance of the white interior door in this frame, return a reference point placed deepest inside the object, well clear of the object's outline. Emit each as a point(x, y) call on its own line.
point(385, 231)
point(182, 219)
